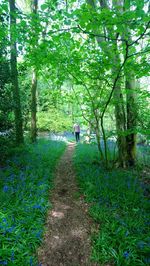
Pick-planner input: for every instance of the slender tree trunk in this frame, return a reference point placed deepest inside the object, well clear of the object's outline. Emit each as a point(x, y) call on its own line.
point(124, 120)
point(33, 106)
point(131, 121)
point(131, 108)
point(98, 137)
point(105, 141)
point(120, 126)
point(14, 75)
point(118, 99)
point(119, 114)
point(34, 87)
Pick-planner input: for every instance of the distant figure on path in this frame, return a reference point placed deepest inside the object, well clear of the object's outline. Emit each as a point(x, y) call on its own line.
point(77, 131)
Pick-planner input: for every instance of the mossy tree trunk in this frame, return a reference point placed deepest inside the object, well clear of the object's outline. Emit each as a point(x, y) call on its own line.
point(14, 74)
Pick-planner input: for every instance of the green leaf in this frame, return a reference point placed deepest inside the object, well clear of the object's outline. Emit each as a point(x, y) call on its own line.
point(44, 7)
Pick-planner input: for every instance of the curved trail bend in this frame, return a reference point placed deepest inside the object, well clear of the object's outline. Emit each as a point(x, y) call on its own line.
point(66, 240)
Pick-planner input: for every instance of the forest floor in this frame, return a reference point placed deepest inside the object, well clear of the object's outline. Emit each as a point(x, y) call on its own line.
point(68, 226)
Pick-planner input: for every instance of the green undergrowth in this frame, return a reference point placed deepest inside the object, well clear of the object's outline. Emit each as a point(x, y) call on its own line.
point(24, 189)
point(119, 204)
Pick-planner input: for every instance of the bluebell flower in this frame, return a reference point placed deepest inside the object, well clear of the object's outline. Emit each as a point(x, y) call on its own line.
point(128, 184)
point(36, 206)
point(38, 235)
point(10, 230)
point(141, 244)
point(12, 256)
point(31, 261)
point(3, 262)
point(5, 188)
point(147, 260)
point(126, 254)
point(127, 233)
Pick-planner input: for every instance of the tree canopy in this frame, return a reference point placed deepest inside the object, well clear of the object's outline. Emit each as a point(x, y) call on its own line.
point(63, 61)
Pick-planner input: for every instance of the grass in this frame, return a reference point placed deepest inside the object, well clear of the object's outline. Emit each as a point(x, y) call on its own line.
point(120, 207)
point(24, 189)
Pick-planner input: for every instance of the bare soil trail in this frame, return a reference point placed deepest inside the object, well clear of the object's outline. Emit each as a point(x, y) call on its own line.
point(68, 226)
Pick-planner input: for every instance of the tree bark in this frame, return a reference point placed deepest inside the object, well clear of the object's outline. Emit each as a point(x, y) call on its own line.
point(131, 110)
point(34, 87)
point(120, 126)
point(14, 75)
point(120, 117)
point(33, 106)
point(119, 102)
point(131, 121)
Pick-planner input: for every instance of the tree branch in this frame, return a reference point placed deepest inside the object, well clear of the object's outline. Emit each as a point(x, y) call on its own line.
point(142, 34)
point(115, 39)
point(62, 30)
point(116, 79)
point(138, 53)
point(86, 119)
point(100, 35)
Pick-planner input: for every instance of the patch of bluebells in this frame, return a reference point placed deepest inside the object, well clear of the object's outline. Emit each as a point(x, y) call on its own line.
point(12, 256)
point(119, 204)
point(3, 262)
point(147, 260)
point(25, 185)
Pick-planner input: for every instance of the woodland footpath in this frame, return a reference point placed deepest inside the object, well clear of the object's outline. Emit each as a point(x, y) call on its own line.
point(75, 213)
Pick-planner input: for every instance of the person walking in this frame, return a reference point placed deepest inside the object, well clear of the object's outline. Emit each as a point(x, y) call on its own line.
point(77, 131)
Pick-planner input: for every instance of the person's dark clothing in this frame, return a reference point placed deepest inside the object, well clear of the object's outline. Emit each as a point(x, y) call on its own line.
point(77, 135)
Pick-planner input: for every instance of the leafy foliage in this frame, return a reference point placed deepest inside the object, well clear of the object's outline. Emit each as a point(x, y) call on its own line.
point(54, 121)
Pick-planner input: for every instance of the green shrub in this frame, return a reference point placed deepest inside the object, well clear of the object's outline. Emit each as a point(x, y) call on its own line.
point(53, 121)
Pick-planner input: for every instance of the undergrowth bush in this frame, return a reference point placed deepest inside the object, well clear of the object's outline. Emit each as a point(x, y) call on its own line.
point(6, 145)
point(24, 188)
point(119, 205)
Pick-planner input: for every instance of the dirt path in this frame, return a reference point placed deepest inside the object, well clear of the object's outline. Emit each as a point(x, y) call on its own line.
point(66, 241)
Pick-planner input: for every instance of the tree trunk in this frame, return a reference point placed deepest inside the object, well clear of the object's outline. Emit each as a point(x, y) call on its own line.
point(120, 126)
point(105, 141)
point(131, 108)
point(118, 100)
point(119, 113)
point(98, 138)
point(14, 75)
point(33, 106)
point(131, 121)
point(34, 87)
